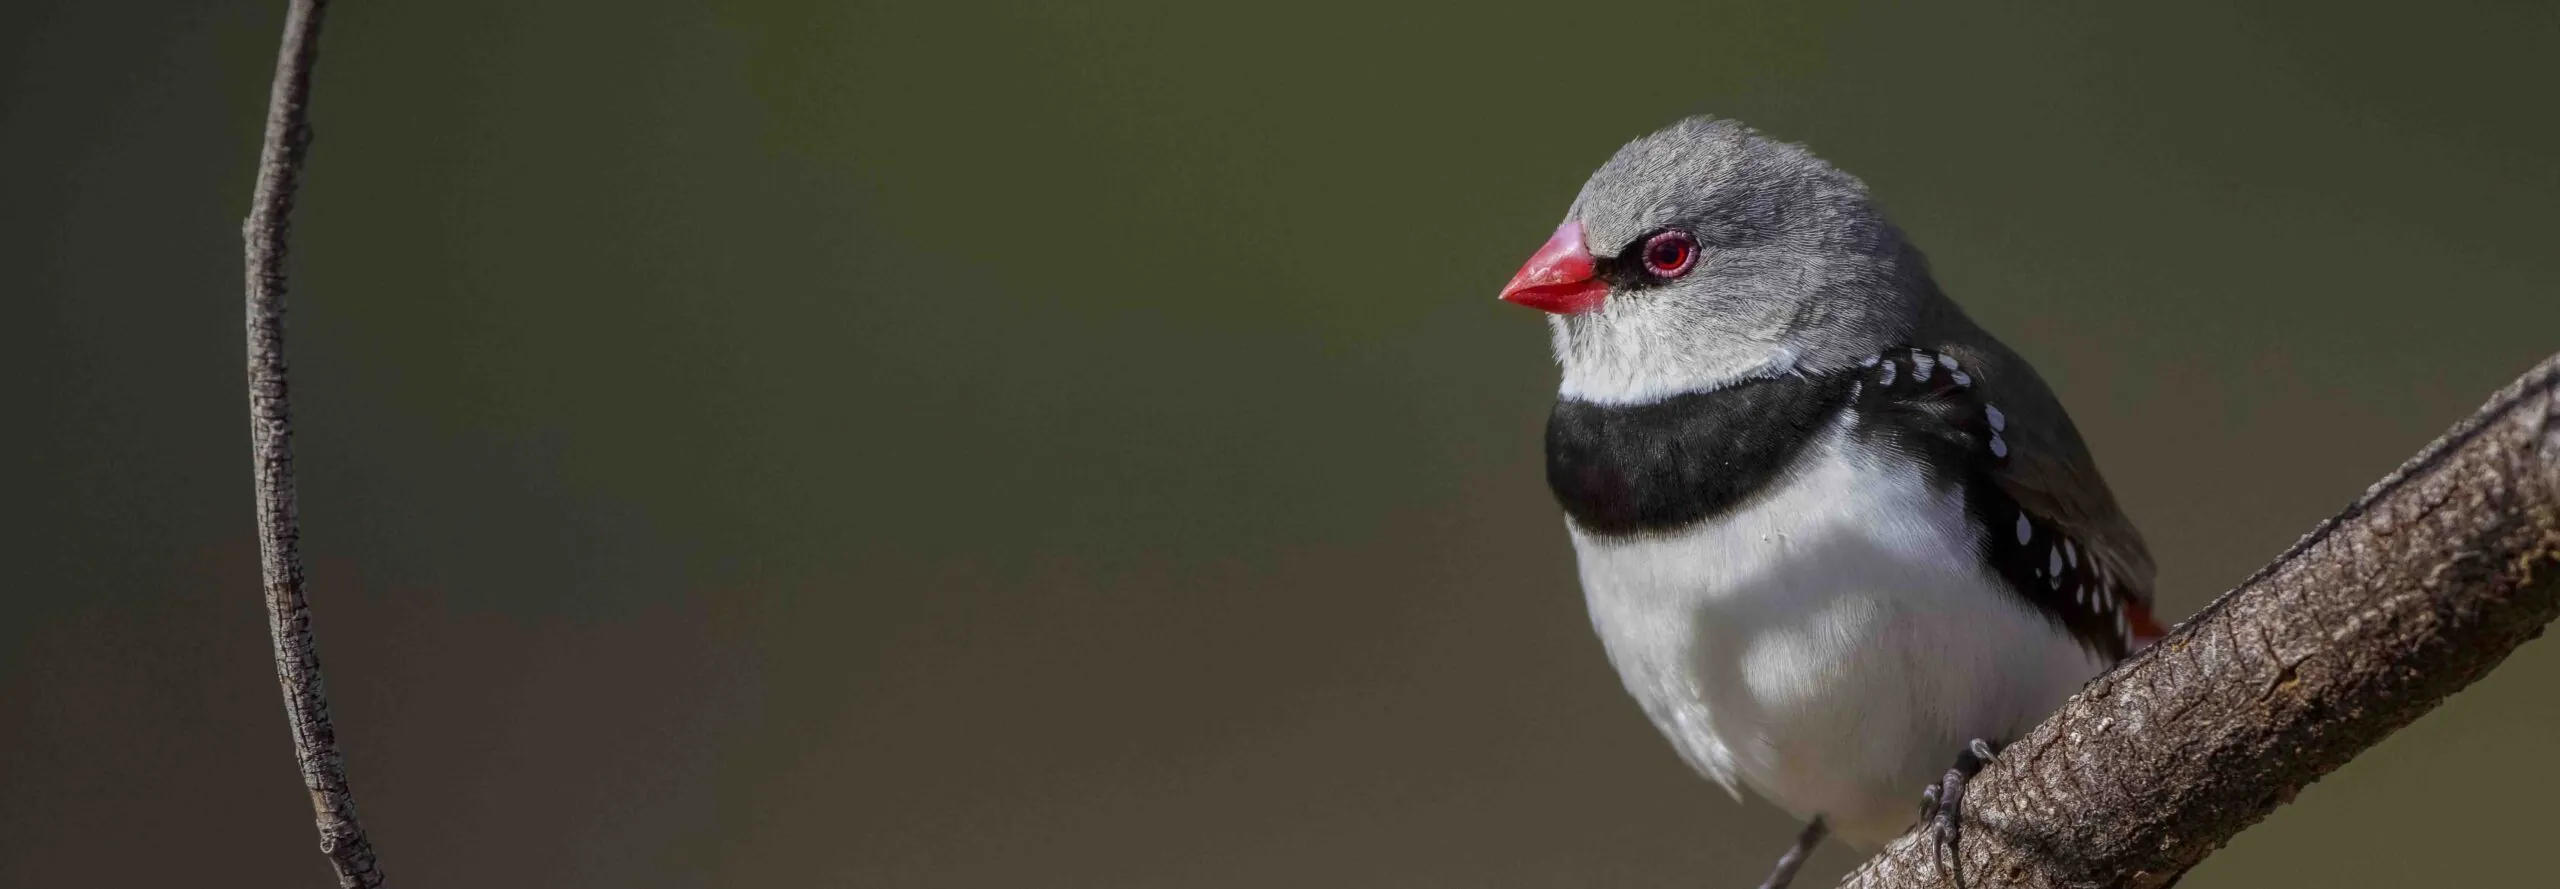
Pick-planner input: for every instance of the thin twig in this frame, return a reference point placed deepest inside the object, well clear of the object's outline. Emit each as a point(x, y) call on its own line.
point(315, 743)
point(2418, 589)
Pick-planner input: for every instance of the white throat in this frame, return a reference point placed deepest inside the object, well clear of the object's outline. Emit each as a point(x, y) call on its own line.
point(1643, 363)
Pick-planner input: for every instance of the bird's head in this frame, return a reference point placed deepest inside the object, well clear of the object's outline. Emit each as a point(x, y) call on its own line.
point(1706, 254)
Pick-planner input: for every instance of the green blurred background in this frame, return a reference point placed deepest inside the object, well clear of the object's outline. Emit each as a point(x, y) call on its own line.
point(1075, 444)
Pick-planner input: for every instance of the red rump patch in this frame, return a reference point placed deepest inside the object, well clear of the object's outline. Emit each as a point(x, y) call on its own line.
point(2146, 629)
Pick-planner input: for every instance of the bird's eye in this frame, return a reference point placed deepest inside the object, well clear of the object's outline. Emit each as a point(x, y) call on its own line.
point(1670, 254)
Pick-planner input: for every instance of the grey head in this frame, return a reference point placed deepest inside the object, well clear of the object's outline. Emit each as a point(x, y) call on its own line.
point(1706, 254)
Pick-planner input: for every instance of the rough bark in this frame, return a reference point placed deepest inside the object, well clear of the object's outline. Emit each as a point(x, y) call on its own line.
point(2420, 588)
point(315, 742)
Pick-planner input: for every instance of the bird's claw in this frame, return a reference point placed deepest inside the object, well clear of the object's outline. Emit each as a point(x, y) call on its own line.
point(1942, 806)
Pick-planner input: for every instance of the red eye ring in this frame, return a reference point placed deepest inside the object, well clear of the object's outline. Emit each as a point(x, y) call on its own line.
point(1670, 254)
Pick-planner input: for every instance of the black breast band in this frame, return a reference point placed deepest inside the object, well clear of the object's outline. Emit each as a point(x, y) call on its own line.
point(1636, 469)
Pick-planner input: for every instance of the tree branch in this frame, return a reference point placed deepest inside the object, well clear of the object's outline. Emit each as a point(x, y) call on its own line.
point(315, 743)
point(2418, 589)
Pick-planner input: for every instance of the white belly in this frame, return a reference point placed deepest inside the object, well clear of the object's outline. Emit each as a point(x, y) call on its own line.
point(1832, 643)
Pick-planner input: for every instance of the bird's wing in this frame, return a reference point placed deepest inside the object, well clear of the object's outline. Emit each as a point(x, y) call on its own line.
point(2048, 469)
point(1983, 420)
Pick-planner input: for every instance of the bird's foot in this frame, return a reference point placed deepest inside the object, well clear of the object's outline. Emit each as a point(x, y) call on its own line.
point(1942, 806)
point(1785, 872)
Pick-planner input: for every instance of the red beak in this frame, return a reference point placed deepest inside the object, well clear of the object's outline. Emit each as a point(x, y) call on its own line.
point(1559, 277)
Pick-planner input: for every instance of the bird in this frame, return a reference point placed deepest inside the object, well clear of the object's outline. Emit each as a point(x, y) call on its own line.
point(1839, 542)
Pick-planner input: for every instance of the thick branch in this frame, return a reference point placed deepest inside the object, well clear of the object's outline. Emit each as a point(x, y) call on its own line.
point(2419, 589)
point(315, 743)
